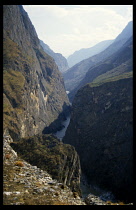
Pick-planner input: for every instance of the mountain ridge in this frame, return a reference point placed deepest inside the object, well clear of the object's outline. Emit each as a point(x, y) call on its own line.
point(85, 53)
point(76, 74)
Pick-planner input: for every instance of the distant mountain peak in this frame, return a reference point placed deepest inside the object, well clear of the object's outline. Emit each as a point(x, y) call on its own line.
point(78, 75)
point(85, 53)
point(127, 32)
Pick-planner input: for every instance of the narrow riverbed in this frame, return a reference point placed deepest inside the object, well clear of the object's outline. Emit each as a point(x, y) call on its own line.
point(60, 134)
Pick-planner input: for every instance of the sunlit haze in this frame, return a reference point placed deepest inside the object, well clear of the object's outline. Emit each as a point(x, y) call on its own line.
point(67, 28)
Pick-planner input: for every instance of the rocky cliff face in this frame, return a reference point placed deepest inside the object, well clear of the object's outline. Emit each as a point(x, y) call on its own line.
point(102, 133)
point(59, 160)
point(34, 93)
point(59, 58)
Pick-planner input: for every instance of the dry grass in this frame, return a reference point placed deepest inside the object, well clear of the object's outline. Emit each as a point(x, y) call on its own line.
point(19, 163)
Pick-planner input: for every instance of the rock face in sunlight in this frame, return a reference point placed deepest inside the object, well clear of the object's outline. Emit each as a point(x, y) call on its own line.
point(34, 93)
point(101, 130)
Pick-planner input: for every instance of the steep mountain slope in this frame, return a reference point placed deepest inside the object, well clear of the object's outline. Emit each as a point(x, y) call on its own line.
point(84, 53)
point(34, 93)
point(120, 62)
point(60, 60)
point(74, 75)
point(101, 130)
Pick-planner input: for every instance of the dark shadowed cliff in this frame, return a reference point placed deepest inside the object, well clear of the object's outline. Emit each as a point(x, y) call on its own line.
point(101, 129)
point(34, 93)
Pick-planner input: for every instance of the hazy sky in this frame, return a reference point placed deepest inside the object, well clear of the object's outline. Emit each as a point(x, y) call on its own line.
point(67, 28)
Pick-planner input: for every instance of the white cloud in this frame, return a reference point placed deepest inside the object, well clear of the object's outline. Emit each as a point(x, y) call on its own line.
point(67, 28)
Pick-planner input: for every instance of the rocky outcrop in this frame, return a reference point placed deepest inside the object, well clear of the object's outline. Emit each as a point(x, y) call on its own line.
point(101, 130)
point(95, 200)
point(48, 153)
point(26, 184)
point(34, 92)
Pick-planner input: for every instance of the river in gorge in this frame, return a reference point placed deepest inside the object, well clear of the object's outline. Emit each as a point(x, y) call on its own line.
point(60, 134)
point(85, 188)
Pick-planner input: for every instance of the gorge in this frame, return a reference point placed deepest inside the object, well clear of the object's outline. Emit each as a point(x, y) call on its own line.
point(74, 124)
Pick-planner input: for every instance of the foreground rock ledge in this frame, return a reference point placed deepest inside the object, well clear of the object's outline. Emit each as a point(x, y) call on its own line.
point(25, 184)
